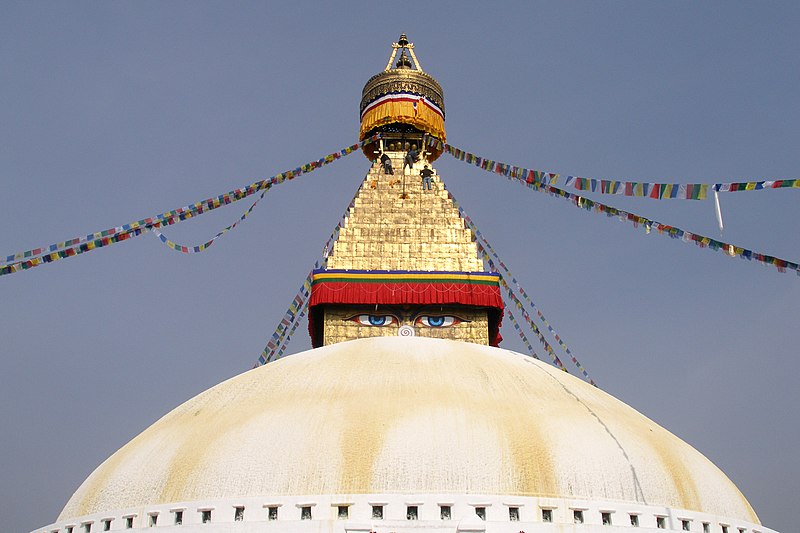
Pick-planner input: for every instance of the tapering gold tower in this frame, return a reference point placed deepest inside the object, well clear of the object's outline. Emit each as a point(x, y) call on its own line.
point(404, 262)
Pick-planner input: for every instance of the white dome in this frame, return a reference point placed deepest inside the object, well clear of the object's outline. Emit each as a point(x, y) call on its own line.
point(392, 415)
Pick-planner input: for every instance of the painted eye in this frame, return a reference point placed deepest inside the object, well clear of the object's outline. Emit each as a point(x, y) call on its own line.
point(375, 320)
point(433, 321)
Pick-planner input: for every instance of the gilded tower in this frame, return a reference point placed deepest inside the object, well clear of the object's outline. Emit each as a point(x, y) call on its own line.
point(405, 262)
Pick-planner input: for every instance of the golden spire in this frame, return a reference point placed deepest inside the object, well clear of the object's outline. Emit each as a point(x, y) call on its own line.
point(404, 262)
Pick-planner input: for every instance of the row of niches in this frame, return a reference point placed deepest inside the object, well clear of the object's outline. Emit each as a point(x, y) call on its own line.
point(394, 511)
point(412, 233)
point(390, 202)
point(375, 247)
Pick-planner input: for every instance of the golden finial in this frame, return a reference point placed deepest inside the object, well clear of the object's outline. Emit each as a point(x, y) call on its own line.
point(403, 45)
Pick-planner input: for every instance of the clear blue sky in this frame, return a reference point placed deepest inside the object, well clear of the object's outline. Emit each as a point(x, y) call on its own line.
point(113, 111)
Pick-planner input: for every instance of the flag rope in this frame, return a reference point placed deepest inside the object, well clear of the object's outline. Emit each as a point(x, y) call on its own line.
point(203, 247)
point(531, 323)
point(290, 318)
point(484, 244)
point(521, 334)
point(288, 338)
point(279, 340)
point(485, 249)
point(78, 245)
point(661, 191)
point(541, 184)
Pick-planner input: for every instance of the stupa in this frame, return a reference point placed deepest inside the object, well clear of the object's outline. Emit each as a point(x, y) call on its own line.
point(406, 416)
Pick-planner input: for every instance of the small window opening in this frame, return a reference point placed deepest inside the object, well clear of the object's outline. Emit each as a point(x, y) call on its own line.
point(742, 530)
point(305, 513)
point(577, 516)
point(153, 520)
point(343, 512)
point(481, 512)
point(87, 528)
point(412, 512)
point(272, 513)
point(606, 518)
point(547, 515)
point(205, 516)
point(178, 518)
point(513, 514)
point(661, 523)
point(70, 529)
point(686, 525)
point(377, 512)
point(724, 529)
point(635, 520)
point(238, 514)
point(107, 525)
point(706, 527)
point(445, 512)
point(128, 522)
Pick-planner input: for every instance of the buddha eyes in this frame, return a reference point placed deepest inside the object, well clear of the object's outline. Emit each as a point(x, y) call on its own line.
point(434, 321)
point(375, 320)
point(428, 321)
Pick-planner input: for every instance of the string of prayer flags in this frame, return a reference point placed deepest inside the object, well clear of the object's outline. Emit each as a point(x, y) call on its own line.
point(660, 191)
point(484, 245)
point(71, 247)
point(521, 333)
point(536, 329)
point(288, 338)
point(70, 252)
point(292, 316)
point(335, 233)
point(203, 247)
point(279, 340)
point(526, 316)
point(485, 248)
point(757, 185)
point(731, 250)
point(531, 324)
point(493, 166)
point(682, 191)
